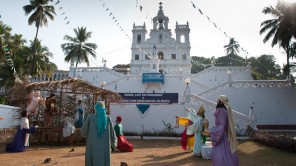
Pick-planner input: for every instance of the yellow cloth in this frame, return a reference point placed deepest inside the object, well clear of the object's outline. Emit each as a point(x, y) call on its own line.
point(190, 142)
point(183, 121)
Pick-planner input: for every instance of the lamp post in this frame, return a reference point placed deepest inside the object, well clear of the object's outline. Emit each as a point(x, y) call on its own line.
point(229, 74)
point(102, 84)
point(187, 92)
point(187, 81)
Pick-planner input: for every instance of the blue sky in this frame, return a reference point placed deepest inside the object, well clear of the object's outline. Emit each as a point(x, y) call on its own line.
point(240, 19)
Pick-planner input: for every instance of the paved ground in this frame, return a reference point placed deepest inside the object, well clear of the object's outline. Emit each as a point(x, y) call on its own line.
point(146, 153)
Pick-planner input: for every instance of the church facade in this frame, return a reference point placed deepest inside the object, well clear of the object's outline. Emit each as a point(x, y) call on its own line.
point(159, 85)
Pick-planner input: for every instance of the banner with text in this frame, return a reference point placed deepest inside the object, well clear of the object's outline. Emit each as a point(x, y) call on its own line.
point(161, 98)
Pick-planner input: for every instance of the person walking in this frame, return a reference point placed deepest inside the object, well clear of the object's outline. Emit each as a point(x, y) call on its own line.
point(99, 132)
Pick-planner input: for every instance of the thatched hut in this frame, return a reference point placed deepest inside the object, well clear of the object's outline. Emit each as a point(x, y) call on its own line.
point(67, 92)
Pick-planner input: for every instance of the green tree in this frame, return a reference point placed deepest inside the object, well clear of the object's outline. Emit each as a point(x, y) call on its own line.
point(232, 48)
point(40, 11)
point(78, 50)
point(5, 36)
point(230, 60)
point(6, 76)
point(199, 64)
point(265, 67)
point(38, 63)
point(282, 28)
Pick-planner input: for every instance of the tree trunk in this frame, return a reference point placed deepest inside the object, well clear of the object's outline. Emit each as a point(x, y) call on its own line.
point(34, 52)
point(288, 62)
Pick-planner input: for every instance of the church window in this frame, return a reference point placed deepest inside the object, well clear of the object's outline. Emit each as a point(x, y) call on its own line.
point(139, 38)
point(160, 55)
point(137, 57)
point(173, 56)
point(182, 38)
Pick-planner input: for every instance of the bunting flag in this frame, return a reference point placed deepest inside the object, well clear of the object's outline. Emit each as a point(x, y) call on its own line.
point(194, 6)
point(113, 17)
point(9, 60)
point(57, 3)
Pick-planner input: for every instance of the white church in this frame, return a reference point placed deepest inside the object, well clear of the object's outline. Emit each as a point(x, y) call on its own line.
point(159, 85)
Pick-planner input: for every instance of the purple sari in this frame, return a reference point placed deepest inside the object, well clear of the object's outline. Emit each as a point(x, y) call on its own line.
point(221, 153)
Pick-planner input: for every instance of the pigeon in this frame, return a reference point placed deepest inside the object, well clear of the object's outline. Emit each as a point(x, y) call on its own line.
point(48, 160)
point(123, 164)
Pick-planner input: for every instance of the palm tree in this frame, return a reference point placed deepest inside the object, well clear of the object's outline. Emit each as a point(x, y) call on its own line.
point(78, 50)
point(282, 28)
point(38, 63)
point(6, 76)
point(232, 48)
point(41, 10)
point(4, 39)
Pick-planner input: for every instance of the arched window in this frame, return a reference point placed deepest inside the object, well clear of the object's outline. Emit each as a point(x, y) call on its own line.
point(139, 38)
point(182, 38)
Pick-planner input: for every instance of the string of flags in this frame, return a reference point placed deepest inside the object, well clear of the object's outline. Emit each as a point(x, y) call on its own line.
point(114, 18)
point(61, 11)
point(9, 59)
point(215, 25)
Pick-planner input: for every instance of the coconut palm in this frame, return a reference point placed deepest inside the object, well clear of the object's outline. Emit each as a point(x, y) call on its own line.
point(282, 28)
point(4, 38)
point(232, 48)
point(41, 10)
point(78, 50)
point(6, 76)
point(38, 63)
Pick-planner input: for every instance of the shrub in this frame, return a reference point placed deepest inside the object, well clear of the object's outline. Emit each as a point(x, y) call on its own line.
point(280, 142)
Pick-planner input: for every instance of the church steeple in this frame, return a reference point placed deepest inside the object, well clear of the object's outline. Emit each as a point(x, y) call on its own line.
point(160, 22)
point(161, 52)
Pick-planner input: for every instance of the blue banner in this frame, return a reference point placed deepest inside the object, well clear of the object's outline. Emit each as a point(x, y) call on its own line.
point(153, 77)
point(161, 98)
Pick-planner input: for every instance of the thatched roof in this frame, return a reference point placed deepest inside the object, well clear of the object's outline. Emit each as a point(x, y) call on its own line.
point(74, 86)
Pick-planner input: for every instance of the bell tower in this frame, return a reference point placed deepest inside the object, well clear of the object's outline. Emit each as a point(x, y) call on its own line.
point(161, 53)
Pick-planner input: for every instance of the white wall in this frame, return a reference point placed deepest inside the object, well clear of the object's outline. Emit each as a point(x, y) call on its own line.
point(8, 113)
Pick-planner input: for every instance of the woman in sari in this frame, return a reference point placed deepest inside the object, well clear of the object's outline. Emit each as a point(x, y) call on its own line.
point(123, 145)
point(223, 136)
point(21, 139)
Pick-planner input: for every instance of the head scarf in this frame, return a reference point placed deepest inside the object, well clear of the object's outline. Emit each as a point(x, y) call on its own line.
point(118, 119)
point(201, 111)
point(101, 117)
point(231, 131)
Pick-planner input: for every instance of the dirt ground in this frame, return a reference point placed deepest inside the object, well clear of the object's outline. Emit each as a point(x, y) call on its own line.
point(146, 153)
